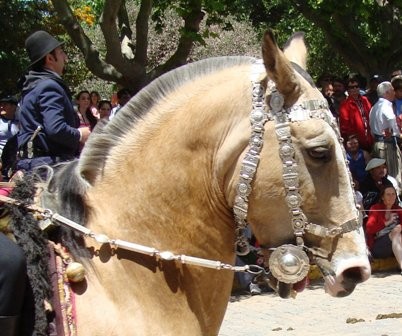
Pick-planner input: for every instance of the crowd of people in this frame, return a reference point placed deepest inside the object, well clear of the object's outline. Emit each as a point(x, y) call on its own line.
point(370, 123)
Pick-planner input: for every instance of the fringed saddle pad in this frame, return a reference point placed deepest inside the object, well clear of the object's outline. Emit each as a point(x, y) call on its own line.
point(64, 323)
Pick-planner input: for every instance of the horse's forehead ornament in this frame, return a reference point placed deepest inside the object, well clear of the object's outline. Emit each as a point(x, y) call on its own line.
point(288, 263)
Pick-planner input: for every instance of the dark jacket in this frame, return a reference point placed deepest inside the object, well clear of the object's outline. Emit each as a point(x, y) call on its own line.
point(46, 102)
point(370, 191)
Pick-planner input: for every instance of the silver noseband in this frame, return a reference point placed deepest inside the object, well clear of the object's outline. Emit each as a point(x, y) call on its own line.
point(287, 263)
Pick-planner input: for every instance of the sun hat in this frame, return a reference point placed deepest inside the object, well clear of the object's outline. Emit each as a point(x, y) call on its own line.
point(39, 44)
point(374, 163)
point(9, 99)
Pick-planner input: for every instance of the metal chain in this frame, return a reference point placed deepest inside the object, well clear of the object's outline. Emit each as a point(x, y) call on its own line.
point(48, 215)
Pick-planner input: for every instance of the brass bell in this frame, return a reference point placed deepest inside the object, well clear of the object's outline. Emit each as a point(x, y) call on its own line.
point(75, 272)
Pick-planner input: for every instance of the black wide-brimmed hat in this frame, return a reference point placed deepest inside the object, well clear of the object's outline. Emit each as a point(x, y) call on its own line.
point(39, 44)
point(8, 99)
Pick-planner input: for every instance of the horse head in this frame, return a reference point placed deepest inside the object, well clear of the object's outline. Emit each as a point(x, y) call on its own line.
point(302, 176)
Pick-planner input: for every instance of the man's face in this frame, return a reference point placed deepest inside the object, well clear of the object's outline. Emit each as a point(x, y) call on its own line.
point(353, 89)
point(378, 173)
point(58, 60)
point(328, 90)
point(352, 145)
point(398, 93)
point(390, 94)
point(124, 99)
point(339, 87)
point(7, 110)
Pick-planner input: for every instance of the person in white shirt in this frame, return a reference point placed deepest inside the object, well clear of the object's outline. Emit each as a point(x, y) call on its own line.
point(8, 119)
point(386, 131)
point(123, 96)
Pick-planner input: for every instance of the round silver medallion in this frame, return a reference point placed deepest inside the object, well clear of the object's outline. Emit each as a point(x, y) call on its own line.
point(289, 264)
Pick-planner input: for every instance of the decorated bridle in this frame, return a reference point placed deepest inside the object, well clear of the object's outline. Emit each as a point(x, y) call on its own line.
point(288, 263)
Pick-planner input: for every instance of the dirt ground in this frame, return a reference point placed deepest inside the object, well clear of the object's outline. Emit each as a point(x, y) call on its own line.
point(373, 309)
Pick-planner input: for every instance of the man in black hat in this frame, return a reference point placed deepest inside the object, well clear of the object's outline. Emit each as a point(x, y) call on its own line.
point(49, 124)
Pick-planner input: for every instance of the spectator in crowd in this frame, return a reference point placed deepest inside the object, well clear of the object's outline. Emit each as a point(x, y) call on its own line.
point(323, 80)
point(383, 227)
point(357, 157)
point(385, 130)
point(371, 92)
point(123, 96)
point(374, 182)
point(95, 99)
point(327, 91)
point(87, 119)
point(354, 115)
point(49, 125)
point(9, 124)
point(104, 108)
point(395, 73)
point(339, 94)
point(397, 85)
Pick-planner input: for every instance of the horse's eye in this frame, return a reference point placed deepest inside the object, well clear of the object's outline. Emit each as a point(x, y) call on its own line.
point(320, 153)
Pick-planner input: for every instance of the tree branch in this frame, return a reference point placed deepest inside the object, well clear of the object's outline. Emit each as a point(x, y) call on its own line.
point(142, 29)
point(94, 63)
point(192, 21)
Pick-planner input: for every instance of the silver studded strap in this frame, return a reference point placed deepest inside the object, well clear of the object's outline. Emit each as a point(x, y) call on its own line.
point(311, 109)
point(290, 170)
point(258, 118)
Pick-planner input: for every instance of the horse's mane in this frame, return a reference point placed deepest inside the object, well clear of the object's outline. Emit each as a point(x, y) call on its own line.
point(69, 182)
point(106, 136)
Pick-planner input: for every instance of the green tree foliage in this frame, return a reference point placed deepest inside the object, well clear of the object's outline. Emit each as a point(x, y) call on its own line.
point(360, 36)
point(17, 20)
point(364, 35)
point(131, 42)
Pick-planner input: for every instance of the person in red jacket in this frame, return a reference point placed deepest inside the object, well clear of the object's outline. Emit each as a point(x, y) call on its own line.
point(354, 115)
point(383, 227)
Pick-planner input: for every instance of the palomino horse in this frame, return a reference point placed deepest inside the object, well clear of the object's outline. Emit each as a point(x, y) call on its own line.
point(176, 171)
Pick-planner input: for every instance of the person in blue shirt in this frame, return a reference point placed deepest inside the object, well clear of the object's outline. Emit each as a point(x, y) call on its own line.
point(357, 158)
point(49, 124)
point(397, 85)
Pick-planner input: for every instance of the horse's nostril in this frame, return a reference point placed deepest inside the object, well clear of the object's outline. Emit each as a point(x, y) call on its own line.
point(353, 274)
point(351, 277)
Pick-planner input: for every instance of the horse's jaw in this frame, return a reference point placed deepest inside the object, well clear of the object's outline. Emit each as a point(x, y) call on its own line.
point(349, 273)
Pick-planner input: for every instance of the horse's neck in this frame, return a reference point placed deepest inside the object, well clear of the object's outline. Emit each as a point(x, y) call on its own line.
point(169, 300)
point(140, 290)
point(179, 213)
point(164, 189)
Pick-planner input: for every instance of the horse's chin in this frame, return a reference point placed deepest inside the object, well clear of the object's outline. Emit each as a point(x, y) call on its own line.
point(301, 285)
point(344, 282)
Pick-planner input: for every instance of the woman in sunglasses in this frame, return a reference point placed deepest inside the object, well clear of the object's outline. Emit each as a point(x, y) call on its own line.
point(354, 115)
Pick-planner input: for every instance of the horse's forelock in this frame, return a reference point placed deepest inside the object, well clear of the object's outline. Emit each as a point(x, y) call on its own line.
point(106, 137)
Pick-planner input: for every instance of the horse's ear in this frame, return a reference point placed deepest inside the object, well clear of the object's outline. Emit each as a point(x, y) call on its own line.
point(295, 49)
point(280, 70)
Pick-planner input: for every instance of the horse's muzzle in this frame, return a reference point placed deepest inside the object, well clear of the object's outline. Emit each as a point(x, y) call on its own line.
point(345, 281)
